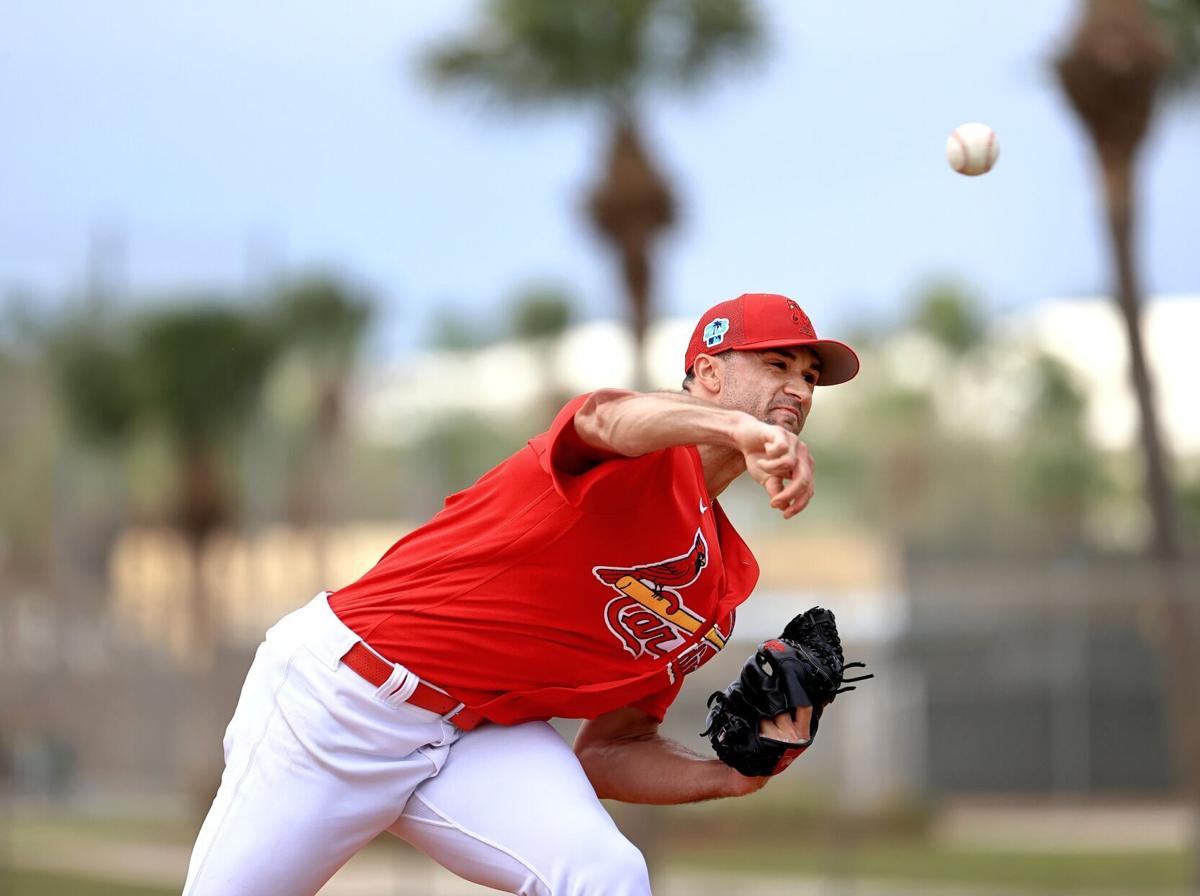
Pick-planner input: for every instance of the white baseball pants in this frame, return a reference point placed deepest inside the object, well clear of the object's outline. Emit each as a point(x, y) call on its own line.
point(318, 761)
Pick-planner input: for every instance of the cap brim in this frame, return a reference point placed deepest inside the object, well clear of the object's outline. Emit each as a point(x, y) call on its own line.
point(839, 363)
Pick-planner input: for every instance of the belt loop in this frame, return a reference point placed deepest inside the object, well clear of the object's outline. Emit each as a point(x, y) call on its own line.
point(398, 687)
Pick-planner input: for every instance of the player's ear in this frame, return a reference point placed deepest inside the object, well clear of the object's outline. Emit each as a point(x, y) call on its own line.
point(710, 373)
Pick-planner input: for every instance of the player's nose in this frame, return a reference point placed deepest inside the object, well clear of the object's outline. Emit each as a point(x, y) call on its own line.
point(799, 389)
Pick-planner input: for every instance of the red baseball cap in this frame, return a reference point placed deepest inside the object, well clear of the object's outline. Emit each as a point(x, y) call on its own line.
point(757, 320)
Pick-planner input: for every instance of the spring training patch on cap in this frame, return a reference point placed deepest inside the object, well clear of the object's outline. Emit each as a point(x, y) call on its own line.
point(714, 333)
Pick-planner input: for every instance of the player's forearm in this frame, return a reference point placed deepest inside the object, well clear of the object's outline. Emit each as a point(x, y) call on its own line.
point(632, 423)
point(657, 770)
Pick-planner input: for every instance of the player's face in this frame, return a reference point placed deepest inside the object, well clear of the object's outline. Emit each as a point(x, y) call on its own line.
point(775, 384)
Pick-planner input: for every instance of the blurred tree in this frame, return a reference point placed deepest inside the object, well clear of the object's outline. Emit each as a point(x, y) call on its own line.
point(540, 317)
point(1191, 506)
point(1112, 72)
point(932, 463)
point(87, 356)
point(96, 381)
point(27, 435)
point(198, 368)
point(320, 322)
point(1180, 20)
point(191, 371)
point(465, 447)
point(928, 456)
point(901, 426)
point(952, 316)
point(542, 313)
point(1059, 473)
point(537, 53)
point(453, 330)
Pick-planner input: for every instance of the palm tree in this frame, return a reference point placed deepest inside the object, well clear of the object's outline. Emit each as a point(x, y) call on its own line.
point(1112, 72)
point(539, 53)
point(1060, 473)
point(321, 322)
point(540, 317)
point(199, 367)
point(192, 372)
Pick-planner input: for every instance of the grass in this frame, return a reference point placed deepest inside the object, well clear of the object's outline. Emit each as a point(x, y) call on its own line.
point(715, 842)
point(45, 883)
point(125, 827)
point(1125, 872)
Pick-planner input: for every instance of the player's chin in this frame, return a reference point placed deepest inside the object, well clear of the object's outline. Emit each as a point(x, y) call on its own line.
point(784, 419)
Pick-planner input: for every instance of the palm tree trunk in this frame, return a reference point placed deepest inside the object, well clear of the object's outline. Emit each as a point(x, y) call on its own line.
point(202, 508)
point(635, 265)
point(1111, 72)
point(1119, 190)
point(325, 473)
point(631, 206)
point(1180, 618)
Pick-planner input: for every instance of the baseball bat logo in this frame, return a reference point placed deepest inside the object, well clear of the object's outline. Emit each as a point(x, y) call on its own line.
point(649, 616)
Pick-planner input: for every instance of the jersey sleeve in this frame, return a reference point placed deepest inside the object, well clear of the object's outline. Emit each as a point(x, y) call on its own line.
point(659, 702)
point(577, 468)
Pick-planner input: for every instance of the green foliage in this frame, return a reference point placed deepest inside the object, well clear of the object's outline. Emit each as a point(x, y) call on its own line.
point(530, 52)
point(455, 331)
point(96, 383)
point(199, 368)
point(1060, 474)
point(1180, 21)
point(1189, 499)
point(1059, 398)
point(903, 464)
point(321, 317)
point(457, 451)
point(952, 316)
point(185, 374)
point(542, 313)
point(193, 369)
point(27, 436)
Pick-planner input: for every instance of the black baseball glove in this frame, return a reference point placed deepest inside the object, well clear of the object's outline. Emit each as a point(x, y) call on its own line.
point(802, 667)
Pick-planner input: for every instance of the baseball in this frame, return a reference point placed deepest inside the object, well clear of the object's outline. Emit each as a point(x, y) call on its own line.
point(972, 148)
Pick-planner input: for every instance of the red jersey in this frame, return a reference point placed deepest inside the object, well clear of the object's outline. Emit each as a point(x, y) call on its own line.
point(567, 582)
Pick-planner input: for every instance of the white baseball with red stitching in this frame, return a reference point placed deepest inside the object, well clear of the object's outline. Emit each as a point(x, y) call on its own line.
point(972, 148)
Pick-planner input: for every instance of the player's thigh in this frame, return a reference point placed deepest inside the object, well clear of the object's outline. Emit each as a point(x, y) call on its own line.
point(302, 791)
point(512, 809)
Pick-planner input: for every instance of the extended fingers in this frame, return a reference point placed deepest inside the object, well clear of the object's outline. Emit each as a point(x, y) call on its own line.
point(785, 728)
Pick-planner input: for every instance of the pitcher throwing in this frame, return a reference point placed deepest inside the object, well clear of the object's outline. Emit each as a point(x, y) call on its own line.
point(583, 577)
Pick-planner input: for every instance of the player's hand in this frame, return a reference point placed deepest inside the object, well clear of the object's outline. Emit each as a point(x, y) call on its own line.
point(778, 461)
point(787, 729)
point(783, 728)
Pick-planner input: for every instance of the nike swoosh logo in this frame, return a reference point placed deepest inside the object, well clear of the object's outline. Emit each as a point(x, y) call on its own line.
point(703, 509)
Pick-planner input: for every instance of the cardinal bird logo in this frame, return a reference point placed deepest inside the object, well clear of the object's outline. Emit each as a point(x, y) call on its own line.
point(649, 616)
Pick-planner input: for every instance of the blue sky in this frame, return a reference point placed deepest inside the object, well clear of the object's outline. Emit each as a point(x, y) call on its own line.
point(229, 141)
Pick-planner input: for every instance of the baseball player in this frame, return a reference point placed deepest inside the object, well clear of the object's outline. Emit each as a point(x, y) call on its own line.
point(583, 577)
